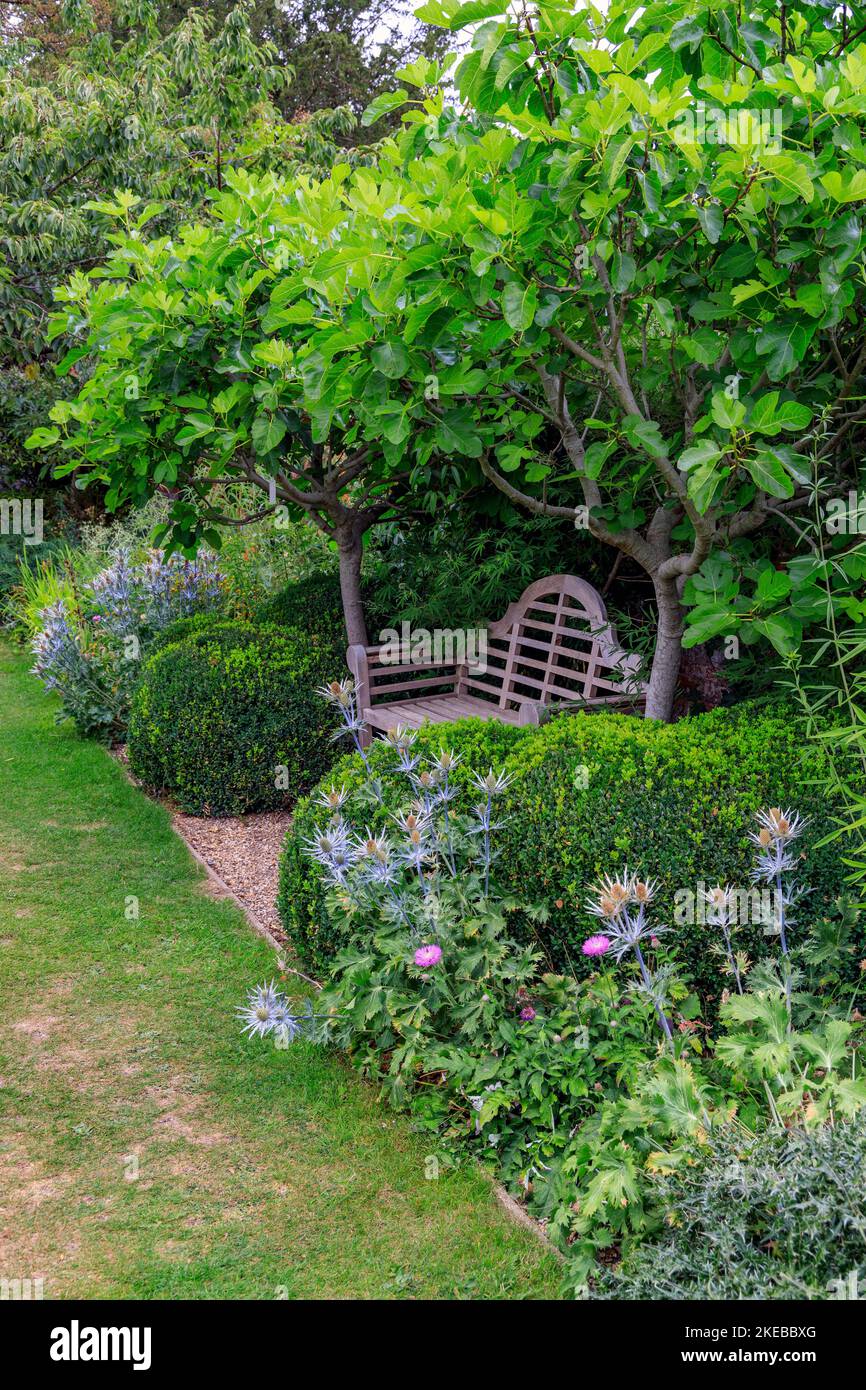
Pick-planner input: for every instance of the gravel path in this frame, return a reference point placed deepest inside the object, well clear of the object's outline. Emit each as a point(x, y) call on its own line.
point(245, 851)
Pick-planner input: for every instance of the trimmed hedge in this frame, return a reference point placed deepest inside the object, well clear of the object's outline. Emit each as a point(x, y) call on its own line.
point(311, 605)
point(593, 792)
point(315, 605)
point(216, 713)
point(175, 632)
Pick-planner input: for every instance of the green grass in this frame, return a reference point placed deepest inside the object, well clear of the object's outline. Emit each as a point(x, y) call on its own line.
point(260, 1173)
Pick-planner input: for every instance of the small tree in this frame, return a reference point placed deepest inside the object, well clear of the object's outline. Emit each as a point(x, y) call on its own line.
point(625, 284)
point(341, 52)
point(253, 348)
point(661, 209)
point(115, 104)
point(135, 109)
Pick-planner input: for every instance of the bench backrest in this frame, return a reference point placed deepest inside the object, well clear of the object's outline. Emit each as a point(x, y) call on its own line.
point(555, 643)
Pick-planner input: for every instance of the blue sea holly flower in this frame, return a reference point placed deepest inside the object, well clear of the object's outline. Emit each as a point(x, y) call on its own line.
point(416, 819)
point(332, 800)
point(494, 783)
point(265, 1010)
point(779, 825)
point(622, 904)
point(331, 848)
point(774, 842)
point(285, 1023)
point(426, 784)
point(326, 841)
point(446, 760)
point(269, 1011)
point(338, 693)
point(401, 740)
point(371, 846)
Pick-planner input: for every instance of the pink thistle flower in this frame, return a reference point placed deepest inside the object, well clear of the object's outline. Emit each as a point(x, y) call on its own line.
point(527, 1014)
point(428, 955)
point(655, 943)
point(596, 945)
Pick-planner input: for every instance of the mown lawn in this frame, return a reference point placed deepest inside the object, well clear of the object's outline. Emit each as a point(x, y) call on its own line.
point(146, 1149)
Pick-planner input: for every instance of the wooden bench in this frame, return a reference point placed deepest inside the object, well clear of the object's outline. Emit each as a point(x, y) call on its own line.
point(554, 645)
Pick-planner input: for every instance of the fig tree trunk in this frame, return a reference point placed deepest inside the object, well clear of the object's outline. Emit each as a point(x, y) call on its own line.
point(351, 550)
point(668, 652)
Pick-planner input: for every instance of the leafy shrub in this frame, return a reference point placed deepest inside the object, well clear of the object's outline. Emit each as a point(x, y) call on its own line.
point(26, 396)
point(185, 627)
point(576, 1091)
point(259, 558)
point(94, 636)
point(675, 801)
point(314, 604)
point(226, 719)
point(592, 791)
point(455, 568)
point(779, 1216)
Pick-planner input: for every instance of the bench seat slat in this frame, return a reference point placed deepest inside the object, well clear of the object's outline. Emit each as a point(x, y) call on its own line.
point(387, 716)
point(437, 710)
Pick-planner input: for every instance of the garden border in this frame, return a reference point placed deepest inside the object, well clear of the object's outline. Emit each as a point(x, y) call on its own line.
point(509, 1205)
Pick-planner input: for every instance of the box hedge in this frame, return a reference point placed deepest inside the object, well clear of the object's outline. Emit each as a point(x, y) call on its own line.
point(311, 605)
point(217, 713)
point(594, 792)
point(315, 605)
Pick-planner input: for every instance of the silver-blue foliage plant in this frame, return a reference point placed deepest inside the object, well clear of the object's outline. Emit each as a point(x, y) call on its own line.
point(90, 649)
point(400, 874)
point(776, 864)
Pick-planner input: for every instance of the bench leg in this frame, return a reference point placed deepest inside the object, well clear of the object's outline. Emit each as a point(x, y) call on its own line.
point(365, 737)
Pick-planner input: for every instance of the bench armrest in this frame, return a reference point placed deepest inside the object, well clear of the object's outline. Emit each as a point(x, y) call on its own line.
point(356, 660)
point(531, 712)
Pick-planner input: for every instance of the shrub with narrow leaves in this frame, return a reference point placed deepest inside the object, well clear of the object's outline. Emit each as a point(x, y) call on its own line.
point(777, 1216)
